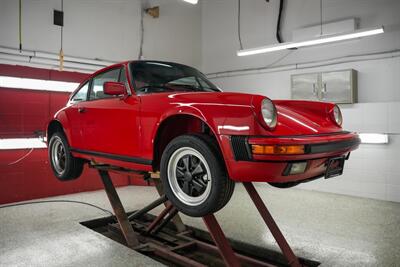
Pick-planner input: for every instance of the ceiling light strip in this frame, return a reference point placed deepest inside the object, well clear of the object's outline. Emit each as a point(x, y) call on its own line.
point(320, 40)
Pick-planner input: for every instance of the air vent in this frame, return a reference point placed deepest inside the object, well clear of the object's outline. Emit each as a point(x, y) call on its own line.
point(240, 148)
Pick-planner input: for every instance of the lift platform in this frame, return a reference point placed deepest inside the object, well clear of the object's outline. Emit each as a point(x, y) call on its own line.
point(149, 235)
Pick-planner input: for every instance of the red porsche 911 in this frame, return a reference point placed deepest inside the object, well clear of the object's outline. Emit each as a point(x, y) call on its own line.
point(167, 117)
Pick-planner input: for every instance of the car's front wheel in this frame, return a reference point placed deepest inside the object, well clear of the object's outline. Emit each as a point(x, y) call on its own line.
point(194, 175)
point(65, 167)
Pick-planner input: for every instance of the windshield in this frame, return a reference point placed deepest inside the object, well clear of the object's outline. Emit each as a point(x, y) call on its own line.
point(158, 77)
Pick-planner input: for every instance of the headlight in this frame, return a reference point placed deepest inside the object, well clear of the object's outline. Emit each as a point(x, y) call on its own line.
point(268, 112)
point(337, 115)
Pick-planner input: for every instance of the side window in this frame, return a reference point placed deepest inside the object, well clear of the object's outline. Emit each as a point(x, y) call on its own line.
point(81, 95)
point(99, 80)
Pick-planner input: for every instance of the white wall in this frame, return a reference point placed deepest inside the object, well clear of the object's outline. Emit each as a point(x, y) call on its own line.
point(106, 29)
point(373, 170)
point(220, 38)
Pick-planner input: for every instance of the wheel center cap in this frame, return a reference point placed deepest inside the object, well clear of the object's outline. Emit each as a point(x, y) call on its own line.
point(188, 176)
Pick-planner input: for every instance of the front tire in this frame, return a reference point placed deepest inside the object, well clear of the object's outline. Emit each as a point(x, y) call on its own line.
point(194, 175)
point(65, 167)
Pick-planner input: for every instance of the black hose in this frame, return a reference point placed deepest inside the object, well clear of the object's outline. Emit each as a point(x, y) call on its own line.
point(20, 25)
point(278, 23)
point(238, 19)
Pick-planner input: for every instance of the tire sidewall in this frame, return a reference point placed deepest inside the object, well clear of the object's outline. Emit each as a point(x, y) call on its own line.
point(68, 157)
point(216, 171)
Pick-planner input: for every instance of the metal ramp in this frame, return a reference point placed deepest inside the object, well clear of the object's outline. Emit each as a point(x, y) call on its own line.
point(167, 239)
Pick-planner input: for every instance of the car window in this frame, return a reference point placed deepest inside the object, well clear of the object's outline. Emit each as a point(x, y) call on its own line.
point(157, 77)
point(81, 95)
point(98, 81)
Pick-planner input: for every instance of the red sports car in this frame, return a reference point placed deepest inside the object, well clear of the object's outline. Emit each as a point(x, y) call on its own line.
point(167, 117)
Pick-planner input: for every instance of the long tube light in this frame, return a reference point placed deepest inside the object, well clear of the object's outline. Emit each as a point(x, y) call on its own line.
point(320, 40)
point(37, 84)
point(373, 138)
point(193, 2)
point(21, 143)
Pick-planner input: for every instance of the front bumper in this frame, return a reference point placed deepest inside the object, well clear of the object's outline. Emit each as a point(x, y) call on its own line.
point(242, 165)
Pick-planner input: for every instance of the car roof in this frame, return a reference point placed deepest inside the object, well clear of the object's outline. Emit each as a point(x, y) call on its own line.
point(124, 63)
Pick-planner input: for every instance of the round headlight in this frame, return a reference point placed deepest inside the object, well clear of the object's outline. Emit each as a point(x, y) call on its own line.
point(268, 112)
point(337, 115)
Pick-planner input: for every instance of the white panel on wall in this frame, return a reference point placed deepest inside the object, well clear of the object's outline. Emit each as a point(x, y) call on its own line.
point(378, 80)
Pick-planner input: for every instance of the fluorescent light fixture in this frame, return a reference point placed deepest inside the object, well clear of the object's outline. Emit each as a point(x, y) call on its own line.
point(193, 2)
point(374, 138)
point(36, 84)
point(323, 39)
point(21, 143)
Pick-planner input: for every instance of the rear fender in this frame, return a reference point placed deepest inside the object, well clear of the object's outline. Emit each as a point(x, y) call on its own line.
point(61, 118)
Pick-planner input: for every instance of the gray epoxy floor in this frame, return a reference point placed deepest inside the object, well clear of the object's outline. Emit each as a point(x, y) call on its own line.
point(333, 229)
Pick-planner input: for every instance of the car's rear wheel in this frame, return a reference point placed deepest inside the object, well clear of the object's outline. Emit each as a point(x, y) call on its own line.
point(194, 175)
point(65, 167)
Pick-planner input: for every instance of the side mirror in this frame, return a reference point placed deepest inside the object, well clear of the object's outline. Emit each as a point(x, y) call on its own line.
point(114, 88)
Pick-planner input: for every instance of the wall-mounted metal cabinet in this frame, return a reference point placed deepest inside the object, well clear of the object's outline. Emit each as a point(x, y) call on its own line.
point(334, 86)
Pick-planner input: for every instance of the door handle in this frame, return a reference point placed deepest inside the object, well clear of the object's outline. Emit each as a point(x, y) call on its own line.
point(81, 110)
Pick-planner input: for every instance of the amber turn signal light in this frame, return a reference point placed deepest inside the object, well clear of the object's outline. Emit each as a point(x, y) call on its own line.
point(277, 149)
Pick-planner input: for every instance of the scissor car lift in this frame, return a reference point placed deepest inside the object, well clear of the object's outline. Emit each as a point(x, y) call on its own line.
point(148, 237)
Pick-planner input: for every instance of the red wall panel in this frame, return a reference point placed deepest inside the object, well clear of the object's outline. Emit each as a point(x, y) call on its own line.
point(33, 178)
point(43, 74)
point(22, 112)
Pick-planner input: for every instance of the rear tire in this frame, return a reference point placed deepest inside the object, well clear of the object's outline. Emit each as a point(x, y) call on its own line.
point(65, 166)
point(194, 176)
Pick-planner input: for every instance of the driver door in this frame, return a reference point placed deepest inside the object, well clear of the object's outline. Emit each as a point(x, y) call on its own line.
point(110, 123)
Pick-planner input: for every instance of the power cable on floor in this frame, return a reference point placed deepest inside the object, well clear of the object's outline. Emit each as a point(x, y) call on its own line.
point(21, 158)
point(57, 201)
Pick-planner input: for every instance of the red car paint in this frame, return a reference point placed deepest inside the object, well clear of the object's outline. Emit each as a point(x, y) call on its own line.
point(132, 131)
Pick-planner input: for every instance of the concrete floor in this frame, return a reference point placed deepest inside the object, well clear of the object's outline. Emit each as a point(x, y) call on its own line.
point(333, 229)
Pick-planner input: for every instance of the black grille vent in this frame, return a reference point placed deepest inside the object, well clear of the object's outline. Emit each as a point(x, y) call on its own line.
point(240, 147)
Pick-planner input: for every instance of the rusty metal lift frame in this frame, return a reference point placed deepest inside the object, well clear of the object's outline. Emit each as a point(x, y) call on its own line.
point(171, 213)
